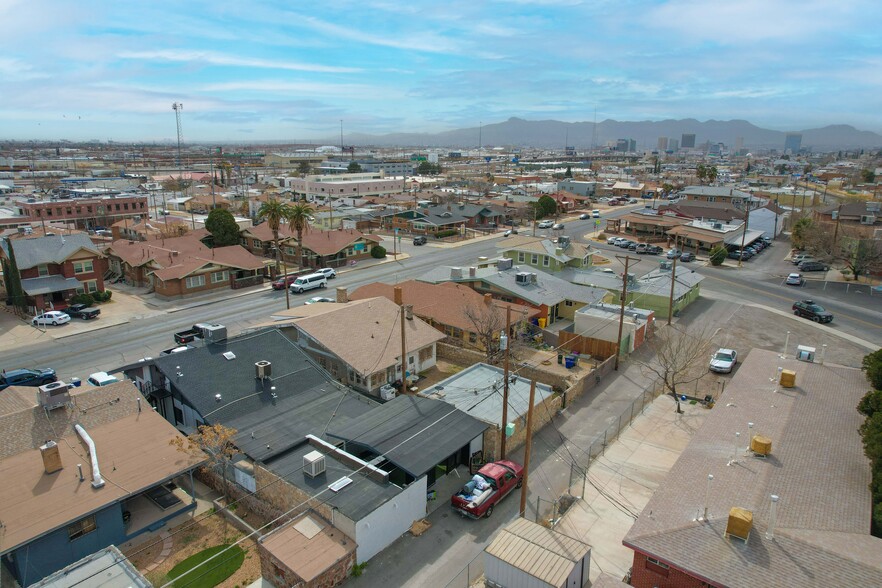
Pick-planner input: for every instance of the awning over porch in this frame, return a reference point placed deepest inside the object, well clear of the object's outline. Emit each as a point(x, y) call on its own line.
point(49, 284)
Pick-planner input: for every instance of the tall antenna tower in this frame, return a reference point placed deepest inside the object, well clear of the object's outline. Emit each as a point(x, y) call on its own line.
point(178, 107)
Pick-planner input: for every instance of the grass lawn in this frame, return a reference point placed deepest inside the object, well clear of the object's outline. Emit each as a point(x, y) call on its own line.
point(210, 574)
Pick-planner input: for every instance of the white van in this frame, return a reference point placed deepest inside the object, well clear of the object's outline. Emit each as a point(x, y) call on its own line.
point(101, 379)
point(309, 282)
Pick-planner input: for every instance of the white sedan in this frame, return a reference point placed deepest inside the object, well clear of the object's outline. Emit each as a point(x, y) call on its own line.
point(723, 361)
point(53, 317)
point(315, 299)
point(794, 280)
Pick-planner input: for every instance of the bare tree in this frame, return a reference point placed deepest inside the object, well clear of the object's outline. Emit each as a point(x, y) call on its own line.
point(216, 441)
point(487, 323)
point(844, 246)
point(679, 357)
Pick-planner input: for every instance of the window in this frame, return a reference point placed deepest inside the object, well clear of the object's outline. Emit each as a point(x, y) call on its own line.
point(195, 281)
point(656, 566)
point(545, 260)
point(89, 209)
point(81, 527)
point(83, 267)
point(568, 303)
point(425, 354)
point(521, 257)
point(534, 259)
point(43, 269)
point(289, 251)
point(410, 360)
point(218, 277)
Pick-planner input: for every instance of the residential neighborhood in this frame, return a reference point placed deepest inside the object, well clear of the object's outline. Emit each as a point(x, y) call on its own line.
point(311, 369)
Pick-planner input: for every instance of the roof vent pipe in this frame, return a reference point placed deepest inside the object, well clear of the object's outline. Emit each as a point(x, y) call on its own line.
point(97, 481)
point(773, 517)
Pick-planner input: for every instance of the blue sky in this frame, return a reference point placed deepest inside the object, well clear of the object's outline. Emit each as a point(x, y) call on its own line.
point(252, 71)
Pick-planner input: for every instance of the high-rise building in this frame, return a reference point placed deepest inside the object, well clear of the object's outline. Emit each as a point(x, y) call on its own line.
point(687, 141)
point(673, 144)
point(632, 145)
point(622, 145)
point(739, 144)
point(792, 142)
point(662, 143)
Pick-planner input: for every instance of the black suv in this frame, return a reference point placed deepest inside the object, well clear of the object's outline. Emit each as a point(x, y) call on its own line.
point(810, 310)
point(419, 240)
point(82, 311)
point(26, 377)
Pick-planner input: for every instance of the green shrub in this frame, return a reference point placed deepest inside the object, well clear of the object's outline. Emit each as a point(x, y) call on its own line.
point(101, 296)
point(872, 365)
point(447, 233)
point(718, 255)
point(602, 236)
point(83, 299)
point(378, 252)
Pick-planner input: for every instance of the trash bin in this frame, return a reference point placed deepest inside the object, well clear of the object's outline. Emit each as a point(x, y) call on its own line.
point(560, 358)
point(570, 362)
point(75, 382)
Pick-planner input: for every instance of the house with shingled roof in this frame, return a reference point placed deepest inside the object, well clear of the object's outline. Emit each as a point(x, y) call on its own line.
point(786, 503)
point(84, 469)
point(52, 269)
point(184, 266)
point(545, 254)
point(335, 248)
point(461, 313)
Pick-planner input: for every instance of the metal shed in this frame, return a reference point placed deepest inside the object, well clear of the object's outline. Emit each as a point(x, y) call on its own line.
point(527, 555)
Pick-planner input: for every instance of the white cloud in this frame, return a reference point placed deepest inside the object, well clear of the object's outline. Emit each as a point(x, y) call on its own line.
point(207, 57)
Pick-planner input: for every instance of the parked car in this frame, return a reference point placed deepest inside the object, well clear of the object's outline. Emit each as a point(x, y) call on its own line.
point(546, 224)
point(612, 240)
point(632, 201)
point(83, 311)
point(723, 361)
point(687, 256)
point(101, 379)
point(813, 266)
point(641, 248)
point(633, 246)
point(557, 227)
point(283, 282)
point(595, 214)
point(329, 272)
point(808, 309)
point(654, 250)
point(625, 243)
point(673, 253)
point(26, 377)
point(308, 282)
point(493, 482)
point(53, 317)
point(315, 299)
point(177, 349)
point(800, 257)
point(510, 232)
point(794, 280)
point(584, 216)
point(419, 240)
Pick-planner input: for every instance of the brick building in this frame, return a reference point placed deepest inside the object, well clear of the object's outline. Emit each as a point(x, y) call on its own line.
point(54, 268)
point(803, 484)
point(85, 213)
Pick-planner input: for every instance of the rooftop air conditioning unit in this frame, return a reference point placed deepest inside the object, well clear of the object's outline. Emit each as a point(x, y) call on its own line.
point(54, 395)
point(213, 333)
point(504, 264)
point(263, 369)
point(314, 464)
point(718, 225)
point(522, 278)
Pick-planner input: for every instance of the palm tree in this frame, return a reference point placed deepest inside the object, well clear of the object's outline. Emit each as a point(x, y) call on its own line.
point(298, 219)
point(274, 211)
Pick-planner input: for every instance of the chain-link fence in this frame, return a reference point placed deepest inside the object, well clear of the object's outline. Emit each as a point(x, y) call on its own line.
point(471, 575)
point(549, 512)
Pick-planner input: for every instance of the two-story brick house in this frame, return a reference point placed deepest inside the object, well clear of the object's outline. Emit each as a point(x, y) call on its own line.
point(54, 268)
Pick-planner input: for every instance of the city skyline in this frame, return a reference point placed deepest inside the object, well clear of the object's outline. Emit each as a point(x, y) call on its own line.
point(272, 72)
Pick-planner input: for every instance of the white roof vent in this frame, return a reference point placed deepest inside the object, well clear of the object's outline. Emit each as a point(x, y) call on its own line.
point(229, 355)
point(314, 464)
point(340, 484)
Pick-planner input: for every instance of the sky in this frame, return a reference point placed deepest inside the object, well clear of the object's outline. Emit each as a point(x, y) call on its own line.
point(292, 71)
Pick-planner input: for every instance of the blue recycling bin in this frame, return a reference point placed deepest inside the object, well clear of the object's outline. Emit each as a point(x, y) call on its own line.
point(569, 362)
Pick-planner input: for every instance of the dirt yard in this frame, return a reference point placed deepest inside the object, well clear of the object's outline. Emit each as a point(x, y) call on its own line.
point(190, 538)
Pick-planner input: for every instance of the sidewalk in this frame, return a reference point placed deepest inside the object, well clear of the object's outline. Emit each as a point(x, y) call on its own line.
point(623, 479)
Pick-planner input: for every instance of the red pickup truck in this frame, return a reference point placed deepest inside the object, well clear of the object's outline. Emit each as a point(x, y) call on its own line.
point(492, 483)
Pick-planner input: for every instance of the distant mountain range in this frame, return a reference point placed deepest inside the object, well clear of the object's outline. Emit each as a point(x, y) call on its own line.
point(516, 132)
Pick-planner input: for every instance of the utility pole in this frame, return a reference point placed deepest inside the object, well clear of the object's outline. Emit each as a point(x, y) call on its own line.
point(743, 235)
point(403, 353)
point(505, 384)
point(836, 229)
point(528, 447)
point(673, 281)
point(622, 311)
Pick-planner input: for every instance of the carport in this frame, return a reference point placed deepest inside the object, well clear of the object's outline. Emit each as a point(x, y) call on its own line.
point(417, 436)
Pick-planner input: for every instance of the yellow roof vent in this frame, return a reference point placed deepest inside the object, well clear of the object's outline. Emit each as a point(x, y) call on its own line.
point(740, 523)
